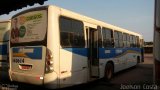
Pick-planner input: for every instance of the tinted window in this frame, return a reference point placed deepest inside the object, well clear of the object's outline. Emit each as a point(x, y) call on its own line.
point(116, 43)
point(137, 40)
point(128, 40)
point(125, 39)
point(107, 37)
point(118, 37)
point(134, 41)
point(71, 33)
point(131, 40)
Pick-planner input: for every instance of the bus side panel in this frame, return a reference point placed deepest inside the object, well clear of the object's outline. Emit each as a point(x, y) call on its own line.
point(121, 58)
point(73, 66)
point(114, 55)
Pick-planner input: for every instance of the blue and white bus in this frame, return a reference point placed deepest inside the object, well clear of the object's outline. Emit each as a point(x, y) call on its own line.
point(4, 47)
point(57, 48)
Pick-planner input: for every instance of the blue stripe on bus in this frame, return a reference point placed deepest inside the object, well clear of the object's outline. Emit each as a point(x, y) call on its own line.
point(102, 54)
point(79, 51)
point(112, 54)
point(36, 54)
point(3, 49)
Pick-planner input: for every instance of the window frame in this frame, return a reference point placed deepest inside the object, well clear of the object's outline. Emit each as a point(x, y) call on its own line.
point(119, 40)
point(128, 40)
point(33, 43)
point(124, 39)
point(138, 43)
point(134, 41)
point(110, 43)
point(82, 33)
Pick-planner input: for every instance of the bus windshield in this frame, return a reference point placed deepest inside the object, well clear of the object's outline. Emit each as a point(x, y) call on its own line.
point(29, 27)
point(4, 31)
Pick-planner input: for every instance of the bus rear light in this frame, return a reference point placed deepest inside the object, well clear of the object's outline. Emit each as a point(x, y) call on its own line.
point(49, 61)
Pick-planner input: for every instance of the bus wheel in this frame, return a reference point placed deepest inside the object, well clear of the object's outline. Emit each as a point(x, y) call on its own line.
point(138, 59)
point(108, 72)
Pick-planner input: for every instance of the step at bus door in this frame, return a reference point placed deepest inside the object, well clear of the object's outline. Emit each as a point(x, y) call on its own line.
point(93, 52)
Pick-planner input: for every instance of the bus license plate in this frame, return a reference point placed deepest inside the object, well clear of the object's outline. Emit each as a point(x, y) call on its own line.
point(25, 67)
point(18, 60)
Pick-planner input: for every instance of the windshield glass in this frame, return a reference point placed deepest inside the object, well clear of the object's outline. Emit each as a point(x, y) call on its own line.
point(29, 27)
point(4, 30)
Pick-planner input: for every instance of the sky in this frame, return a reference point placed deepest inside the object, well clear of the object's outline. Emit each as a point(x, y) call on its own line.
point(134, 15)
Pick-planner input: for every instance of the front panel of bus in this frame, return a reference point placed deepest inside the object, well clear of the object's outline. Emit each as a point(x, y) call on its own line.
point(28, 46)
point(4, 43)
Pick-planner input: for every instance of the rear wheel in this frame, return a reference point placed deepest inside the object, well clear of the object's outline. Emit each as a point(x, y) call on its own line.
point(108, 71)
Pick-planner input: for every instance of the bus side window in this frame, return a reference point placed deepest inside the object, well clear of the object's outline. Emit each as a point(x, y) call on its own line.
point(99, 37)
point(131, 41)
point(107, 37)
point(118, 37)
point(65, 42)
point(116, 43)
point(134, 41)
point(71, 33)
point(137, 41)
point(112, 39)
point(124, 39)
point(128, 40)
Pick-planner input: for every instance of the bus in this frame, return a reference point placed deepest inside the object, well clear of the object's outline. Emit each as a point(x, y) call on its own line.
point(156, 44)
point(4, 47)
point(55, 48)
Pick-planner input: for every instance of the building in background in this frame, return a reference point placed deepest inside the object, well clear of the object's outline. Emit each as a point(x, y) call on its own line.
point(148, 47)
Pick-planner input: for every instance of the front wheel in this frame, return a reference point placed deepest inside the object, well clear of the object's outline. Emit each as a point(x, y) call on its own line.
point(108, 72)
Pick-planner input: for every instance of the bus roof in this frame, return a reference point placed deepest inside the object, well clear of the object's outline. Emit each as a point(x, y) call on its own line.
point(94, 21)
point(82, 18)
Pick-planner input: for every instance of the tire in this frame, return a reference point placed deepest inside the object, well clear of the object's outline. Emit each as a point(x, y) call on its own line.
point(108, 72)
point(138, 60)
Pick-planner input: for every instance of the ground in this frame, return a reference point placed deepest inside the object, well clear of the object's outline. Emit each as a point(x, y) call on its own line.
point(138, 77)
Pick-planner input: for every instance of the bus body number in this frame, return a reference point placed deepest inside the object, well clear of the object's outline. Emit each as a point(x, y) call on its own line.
point(18, 60)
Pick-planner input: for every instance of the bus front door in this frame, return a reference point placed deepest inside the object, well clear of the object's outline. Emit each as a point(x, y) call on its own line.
point(93, 52)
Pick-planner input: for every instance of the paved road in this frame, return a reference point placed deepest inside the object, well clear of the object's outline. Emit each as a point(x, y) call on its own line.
point(138, 77)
